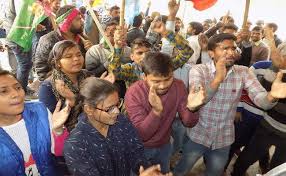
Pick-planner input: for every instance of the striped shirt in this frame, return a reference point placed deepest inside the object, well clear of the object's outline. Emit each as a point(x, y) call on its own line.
point(215, 128)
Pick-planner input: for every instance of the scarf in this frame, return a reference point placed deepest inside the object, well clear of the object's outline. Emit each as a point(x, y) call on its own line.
point(77, 109)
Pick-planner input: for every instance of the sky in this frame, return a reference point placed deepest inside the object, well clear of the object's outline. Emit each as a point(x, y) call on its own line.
point(267, 10)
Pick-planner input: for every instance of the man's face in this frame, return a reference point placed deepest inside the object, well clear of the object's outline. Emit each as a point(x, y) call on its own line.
point(115, 13)
point(109, 32)
point(178, 25)
point(256, 35)
point(190, 30)
point(77, 25)
point(138, 54)
point(161, 83)
point(225, 49)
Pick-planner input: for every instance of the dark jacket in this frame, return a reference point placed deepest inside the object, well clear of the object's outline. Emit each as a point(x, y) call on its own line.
point(12, 162)
point(89, 153)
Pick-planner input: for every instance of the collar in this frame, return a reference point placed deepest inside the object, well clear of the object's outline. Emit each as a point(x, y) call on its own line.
point(257, 43)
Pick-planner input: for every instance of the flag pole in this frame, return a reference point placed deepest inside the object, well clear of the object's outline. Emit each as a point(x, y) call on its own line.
point(246, 11)
point(91, 12)
point(122, 13)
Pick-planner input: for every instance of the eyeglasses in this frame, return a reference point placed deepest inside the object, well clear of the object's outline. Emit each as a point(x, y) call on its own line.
point(112, 109)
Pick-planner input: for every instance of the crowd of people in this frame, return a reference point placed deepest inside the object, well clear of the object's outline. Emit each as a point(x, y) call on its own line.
point(74, 105)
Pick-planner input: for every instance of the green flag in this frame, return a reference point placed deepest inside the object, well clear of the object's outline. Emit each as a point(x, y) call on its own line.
point(31, 14)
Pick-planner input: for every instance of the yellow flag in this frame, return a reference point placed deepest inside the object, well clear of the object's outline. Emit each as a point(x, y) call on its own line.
point(96, 3)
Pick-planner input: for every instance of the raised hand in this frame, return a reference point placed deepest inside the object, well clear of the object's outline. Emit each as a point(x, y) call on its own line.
point(203, 41)
point(60, 116)
point(120, 36)
point(65, 92)
point(173, 7)
point(268, 33)
point(155, 101)
point(158, 26)
point(278, 88)
point(86, 43)
point(108, 77)
point(221, 68)
point(152, 171)
point(196, 98)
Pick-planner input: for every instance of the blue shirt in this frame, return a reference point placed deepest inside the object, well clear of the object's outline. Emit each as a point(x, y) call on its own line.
point(89, 153)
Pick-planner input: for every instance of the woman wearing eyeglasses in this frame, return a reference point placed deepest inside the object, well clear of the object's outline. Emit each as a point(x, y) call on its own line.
point(104, 142)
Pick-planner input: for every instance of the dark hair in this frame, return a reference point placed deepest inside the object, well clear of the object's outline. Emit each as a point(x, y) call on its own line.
point(217, 38)
point(64, 9)
point(58, 51)
point(272, 25)
point(229, 19)
point(257, 28)
point(115, 19)
point(114, 8)
point(140, 42)
point(6, 72)
point(157, 63)
point(230, 26)
point(110, 23)
point(82, 10)
point(197, 26)
point(137, 21)
point(93, 90)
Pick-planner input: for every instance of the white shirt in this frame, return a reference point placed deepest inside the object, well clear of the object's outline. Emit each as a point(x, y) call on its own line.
point(18, 133)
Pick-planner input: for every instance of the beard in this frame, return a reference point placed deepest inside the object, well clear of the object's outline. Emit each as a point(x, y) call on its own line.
point(76, 30)
point(230, 63)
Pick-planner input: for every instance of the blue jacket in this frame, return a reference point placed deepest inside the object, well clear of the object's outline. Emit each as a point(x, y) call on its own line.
point(12, 162)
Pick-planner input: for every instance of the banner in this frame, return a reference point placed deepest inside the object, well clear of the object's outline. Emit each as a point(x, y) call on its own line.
point(31, 14)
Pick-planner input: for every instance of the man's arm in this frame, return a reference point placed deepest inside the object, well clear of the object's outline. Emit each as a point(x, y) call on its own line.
point(125, 72)
point(256, 92)
point(184, 50)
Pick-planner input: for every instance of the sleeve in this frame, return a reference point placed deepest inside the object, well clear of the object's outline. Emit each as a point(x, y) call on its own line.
point(264, 55)
point(256, 92)
point(246, 52)
point(74, 157)
point(136, 148)
point(122, 71)
point(189, 118)
point(183, 48)
point(47, 96)
point(92, 62)
point(42, 66)
point(146, 122)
